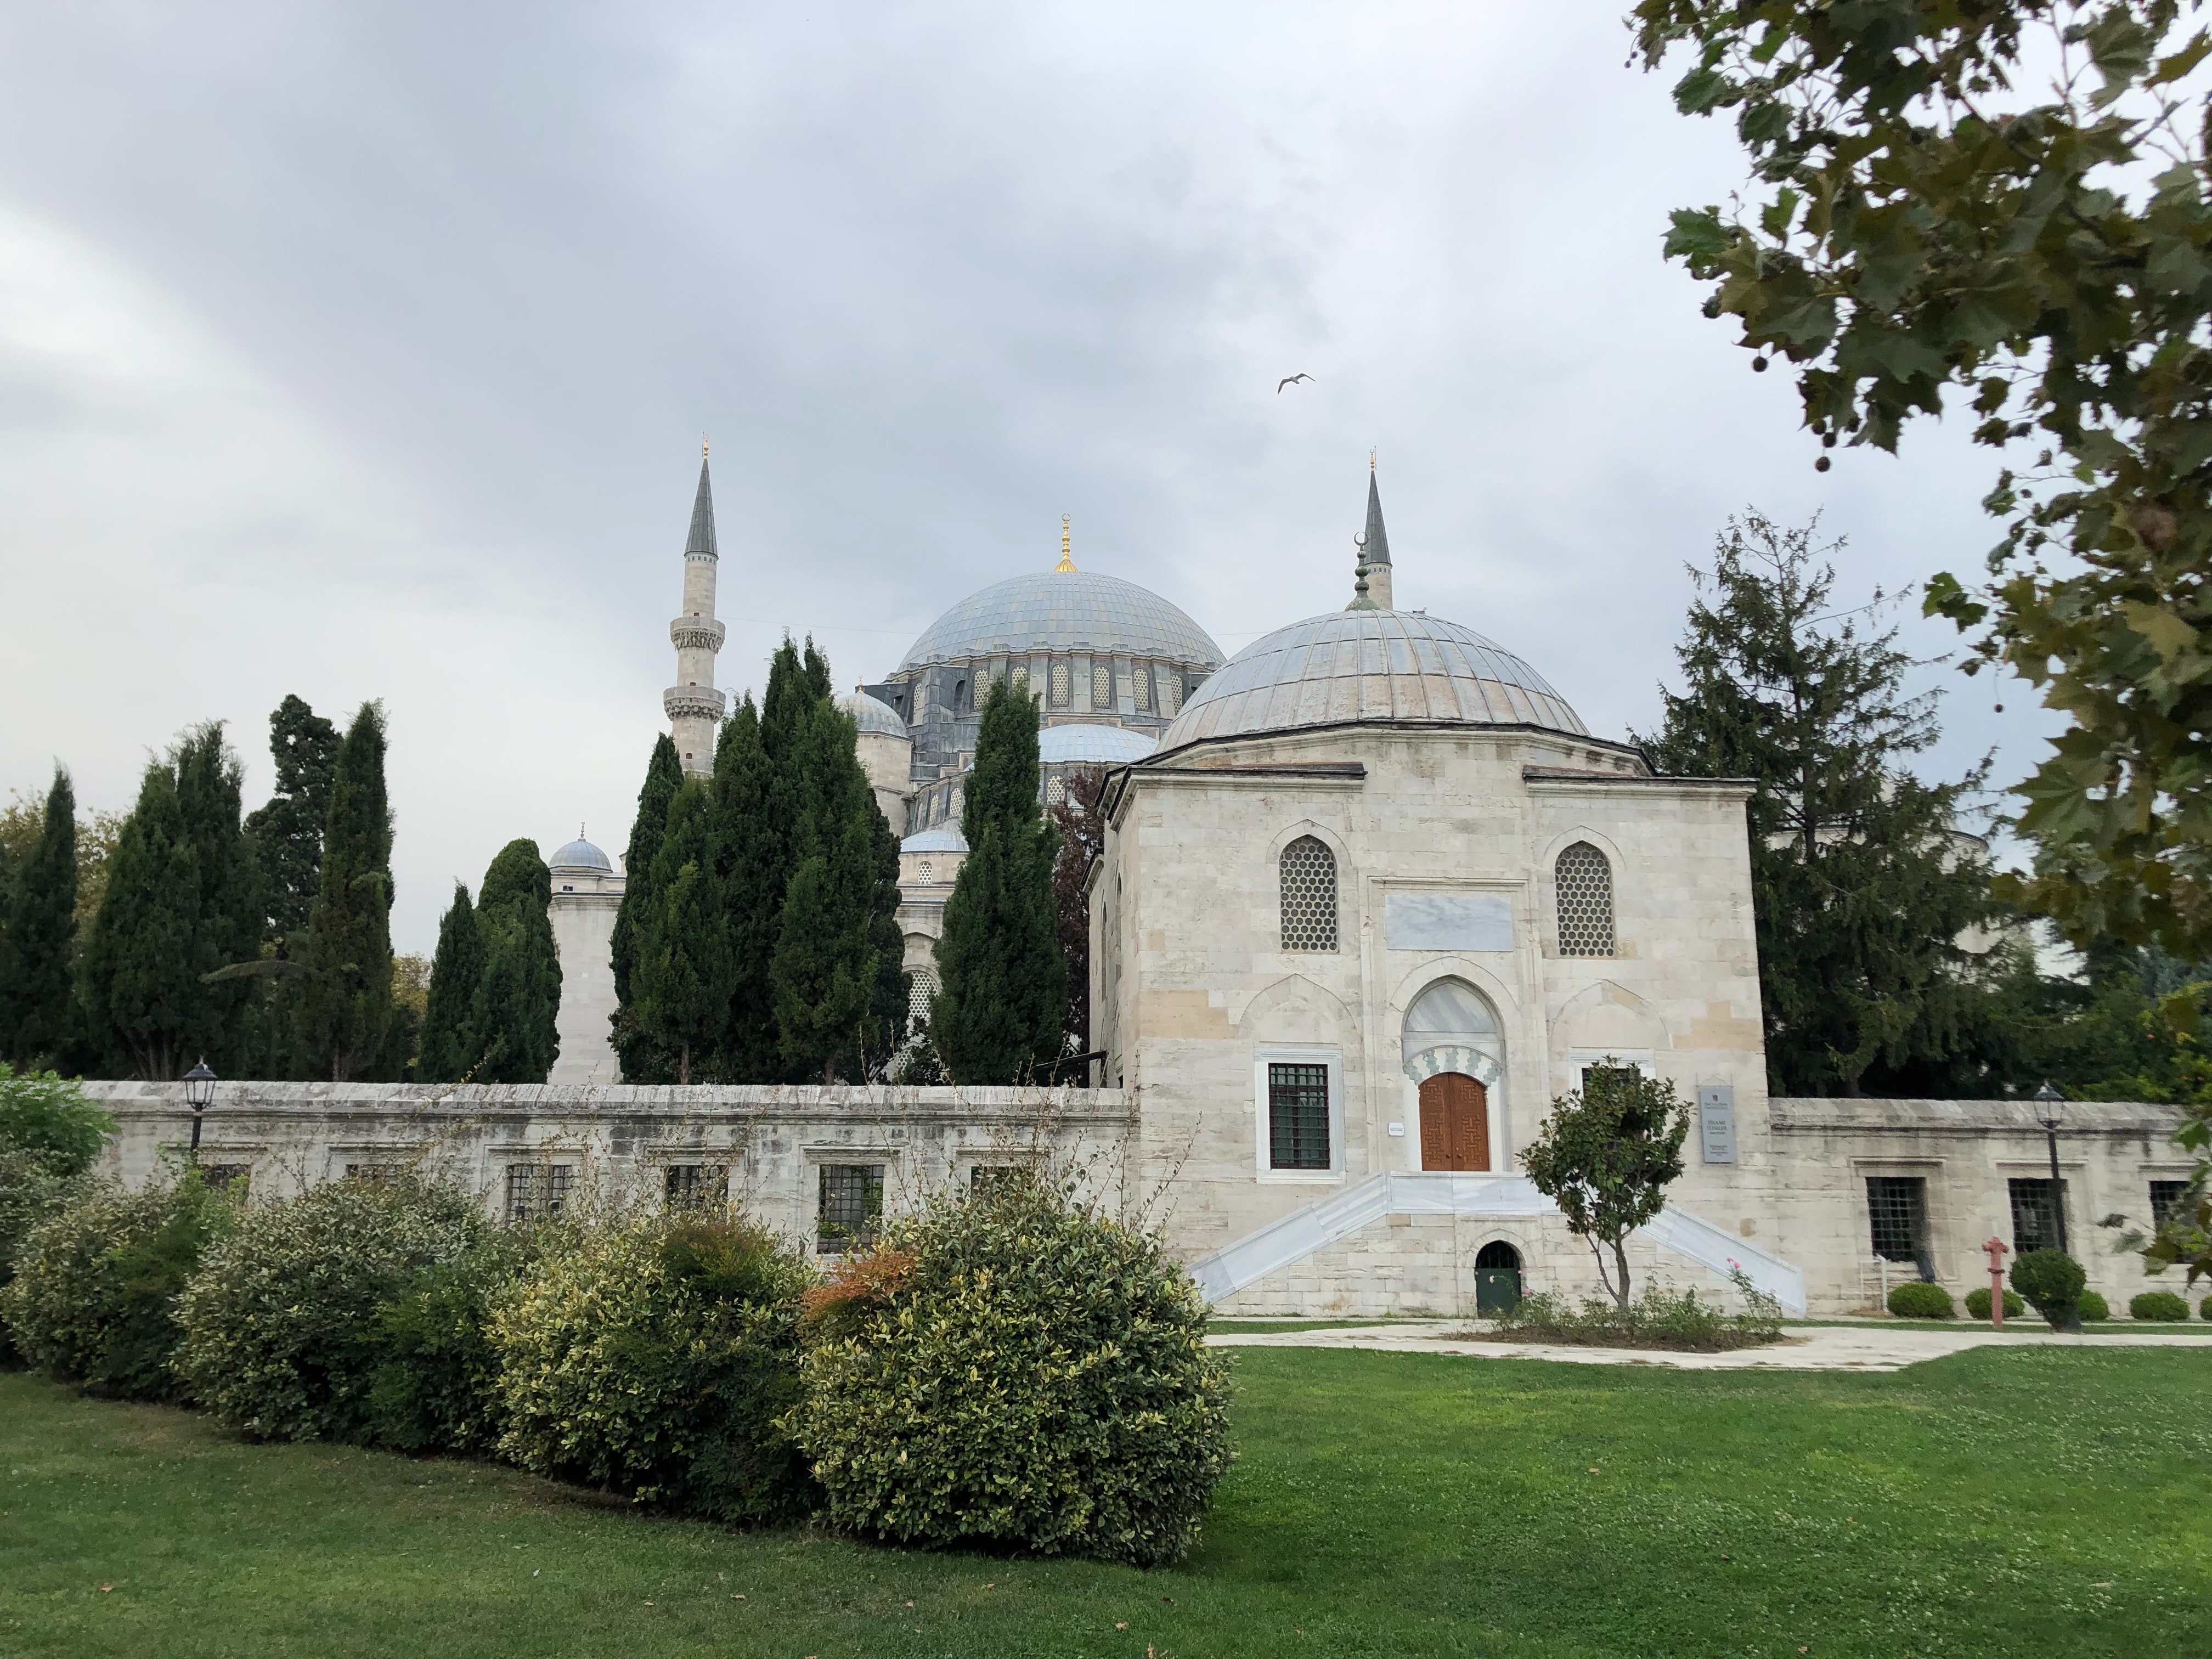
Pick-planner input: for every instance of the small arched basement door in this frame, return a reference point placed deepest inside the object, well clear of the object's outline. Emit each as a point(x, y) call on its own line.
point(1455, 1123)
point(1497, 1277)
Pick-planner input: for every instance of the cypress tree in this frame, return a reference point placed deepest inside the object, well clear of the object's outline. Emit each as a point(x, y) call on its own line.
point(750, 844)
point(682, 979)
point(450, 1048)
point(997, 1016)
point(518, 996)
point(1860, 885)
point(37, 915)
point(664, 776)
point(287, 831)
point(826, 966)
point(345, 1002)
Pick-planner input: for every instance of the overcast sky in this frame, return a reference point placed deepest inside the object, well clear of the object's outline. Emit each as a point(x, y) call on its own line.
point(364, 351)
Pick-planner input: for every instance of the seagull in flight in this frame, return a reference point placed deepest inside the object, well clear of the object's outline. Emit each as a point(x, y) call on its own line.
point(1290, 380)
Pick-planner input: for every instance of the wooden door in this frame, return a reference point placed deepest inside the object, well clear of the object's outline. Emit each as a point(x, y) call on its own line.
point(1455, 1123)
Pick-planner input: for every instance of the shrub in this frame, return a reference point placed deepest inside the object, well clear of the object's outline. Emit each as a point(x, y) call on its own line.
point(2205, 1308)
point(2093, 1306)
point(1677, 1319)
point(94, 1300)
point(1978, 1304)
point(282, 1333)
point(654, 1359)
point(48, 1116)
point(1918, 1300)
point(2052, 1281)
point(435, 1386)
point(2157, 1305)
point(1010, 1368)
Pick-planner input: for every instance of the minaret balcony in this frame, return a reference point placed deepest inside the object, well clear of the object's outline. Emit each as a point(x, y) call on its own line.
point(696, 634)
point(699, 702)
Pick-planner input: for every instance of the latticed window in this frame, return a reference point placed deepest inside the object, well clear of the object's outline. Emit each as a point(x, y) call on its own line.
point(535, 1191)
point(1584, 880)
point(2034, 1216)
point(1308, 876)
point(1170, 693)
point(698, 1186)
point(1021, 682)
point(1897, 1206)
point(919, 990)
point(926, 873)
point(374, 1174)
point(1102, 685)
point(1055, 791)
point(852, 1206)
point(1059, 685)
point(1297, 1116)
point(1140, 679)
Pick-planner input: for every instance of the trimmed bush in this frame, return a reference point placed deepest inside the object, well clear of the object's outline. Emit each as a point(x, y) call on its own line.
point(435, 1387)
point(1918, 1300)
point(1010, 1369)
point(282, 1336)
point(2157, 1305)
point(2052, 1282)
point(2205, 1308)
point(1978, 1304)
point(94, 1300)
point(49, 1135)
point(2093, 1306)
point(655, 1359)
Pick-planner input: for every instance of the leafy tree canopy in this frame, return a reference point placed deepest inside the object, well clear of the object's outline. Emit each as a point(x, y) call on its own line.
point(1605, 1156)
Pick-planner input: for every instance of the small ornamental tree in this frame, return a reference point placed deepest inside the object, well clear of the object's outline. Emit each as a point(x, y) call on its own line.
point(2052, 1282)
point(1605, 1156)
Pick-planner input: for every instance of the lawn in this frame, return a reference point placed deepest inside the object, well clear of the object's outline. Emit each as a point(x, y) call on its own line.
point(2038, 1501)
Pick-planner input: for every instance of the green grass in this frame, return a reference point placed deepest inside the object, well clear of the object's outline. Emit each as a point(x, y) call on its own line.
point(2019, 1502)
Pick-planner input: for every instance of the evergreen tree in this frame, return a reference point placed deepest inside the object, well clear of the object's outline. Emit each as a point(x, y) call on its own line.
point(1860, 884)
point(887, 1025)
point(289, 831)
point(38, 920)
point(518, 996)
point(750, 847)
point(1082, 835)
point(450, 1048)
point(664, 776)
point(345, 1003)
point(998, 1014)
point(682, 980)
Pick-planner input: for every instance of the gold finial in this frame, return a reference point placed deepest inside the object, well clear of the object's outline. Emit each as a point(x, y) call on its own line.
point(1370, 460)
point(1066, 565)
point(703, 446)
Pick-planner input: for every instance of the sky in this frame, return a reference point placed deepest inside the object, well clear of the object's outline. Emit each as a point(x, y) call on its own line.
point(365, 351)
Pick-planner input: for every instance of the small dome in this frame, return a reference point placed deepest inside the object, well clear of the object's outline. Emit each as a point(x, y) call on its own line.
point(872, 714)
point(1088, 743)
point(944, 838)
point(1064, 611)
point(1351, 665)
point(580, 854)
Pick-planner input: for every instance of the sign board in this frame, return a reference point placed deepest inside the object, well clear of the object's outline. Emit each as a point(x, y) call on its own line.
point(1716, 1122)
point(1448, 921)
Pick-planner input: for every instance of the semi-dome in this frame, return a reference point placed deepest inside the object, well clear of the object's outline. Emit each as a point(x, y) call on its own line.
point(945, 838)
point(580, 854)
point(1092, 743)
point(1064, 611)
point(872, 714)
point(1351, 665)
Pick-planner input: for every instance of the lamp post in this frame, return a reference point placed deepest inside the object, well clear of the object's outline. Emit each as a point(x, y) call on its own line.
point(199, 1094)
point(2050, 1112)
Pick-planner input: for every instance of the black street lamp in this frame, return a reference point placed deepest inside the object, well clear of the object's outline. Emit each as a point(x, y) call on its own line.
point(2050, 1112)
point(199, 1094)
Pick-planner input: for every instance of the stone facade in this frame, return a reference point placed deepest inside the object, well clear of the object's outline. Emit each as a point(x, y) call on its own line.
point(587, 893)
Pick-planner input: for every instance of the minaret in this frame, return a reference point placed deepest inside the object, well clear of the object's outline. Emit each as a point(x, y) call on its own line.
point(1371, 591)
point(694, 706)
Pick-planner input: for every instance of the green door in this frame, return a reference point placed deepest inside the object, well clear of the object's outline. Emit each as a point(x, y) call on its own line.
point(1497, 1289)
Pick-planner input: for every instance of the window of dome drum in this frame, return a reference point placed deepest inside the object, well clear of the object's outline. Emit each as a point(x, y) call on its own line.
point(1055, 792)
point(1584, 882)
point(851, 1207)
point(1298, 1116)
point(1308, 895)
point(696, 1186)
point(1021, 680)
point(1102, 685)
point(1170, 693)
point(1141, 679)
point(925, 874)
point(1059, 685)
point(535, 1191)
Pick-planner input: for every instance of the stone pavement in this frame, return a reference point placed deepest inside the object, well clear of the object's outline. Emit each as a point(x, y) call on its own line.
point(1805, 1348)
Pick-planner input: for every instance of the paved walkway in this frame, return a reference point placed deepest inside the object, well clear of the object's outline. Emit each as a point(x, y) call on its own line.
point(1805, 1348)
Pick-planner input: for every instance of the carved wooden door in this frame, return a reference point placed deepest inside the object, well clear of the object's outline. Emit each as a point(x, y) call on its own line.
point(1455, 1123)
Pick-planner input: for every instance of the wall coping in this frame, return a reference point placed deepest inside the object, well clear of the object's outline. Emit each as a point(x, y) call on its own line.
point(1789, 1115)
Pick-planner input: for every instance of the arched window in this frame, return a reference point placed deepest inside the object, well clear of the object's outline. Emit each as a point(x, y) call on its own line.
point(1060, 684)
point(919, 990)
point(1170, 693)
point(1309, 882)
point(960, 697)
point(1142, 679)
point(1102, 685)
point(1584, 881)
point(925, 875)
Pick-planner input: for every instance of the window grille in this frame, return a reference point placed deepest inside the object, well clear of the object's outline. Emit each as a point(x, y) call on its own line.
point(2034, 1219)
point(373, 1174)
point(924, 873)
point(918, 991)
point(1055, 791)
point(222, 1177)
point(1309, 885)
point(1102, 685)
point(952, 804)
point(698, 1186)
point(1141, 681)
point(1897, 1209)
point(1584, 881)
point(851, 1207)
point(1297, 1116)
point(2167, 1201)
point(1021, 682)
point(1059, 685)
point(535, 1191)
point(1170, 693)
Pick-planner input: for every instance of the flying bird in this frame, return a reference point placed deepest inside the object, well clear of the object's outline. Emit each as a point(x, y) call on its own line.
point(1290, 380)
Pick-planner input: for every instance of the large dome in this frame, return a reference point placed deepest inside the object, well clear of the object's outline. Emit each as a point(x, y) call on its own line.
point(1368, 666)
point(1064, 611)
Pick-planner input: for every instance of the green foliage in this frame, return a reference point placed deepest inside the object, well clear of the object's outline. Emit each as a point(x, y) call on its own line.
point(1082, 831)
point(653, 1359)
point(345, 1007)
point(751, 811)
point(2157, 1305)
point(642, 1061)
point(93, 1297)
point(282, 1336)
point(517, 999)
point(681, 985)
point(30, 1191)
point(2052, 1282)
point(1915, 1300)
point(1978, 1304)
point(1605, 1156)
point(1860, 888)
point(47, 1117)
point(435, 1385)
point(450, 1048)
point(1013, 1371)
point(38, 936)
point(2093, 1306)
point(999, 1013)
point(288, 832)
point(1931, 209)
point(1680, 1320)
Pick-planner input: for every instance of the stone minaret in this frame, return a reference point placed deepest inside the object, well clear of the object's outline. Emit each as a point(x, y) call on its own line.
point(694, 706)
point(1374, 553)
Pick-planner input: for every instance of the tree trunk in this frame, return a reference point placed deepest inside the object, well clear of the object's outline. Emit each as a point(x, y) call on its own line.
point(683, 1064)
point(1620, 1260)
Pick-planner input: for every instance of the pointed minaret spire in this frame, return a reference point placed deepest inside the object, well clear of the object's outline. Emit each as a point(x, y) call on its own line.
point(1375, 543)
point(694, 706)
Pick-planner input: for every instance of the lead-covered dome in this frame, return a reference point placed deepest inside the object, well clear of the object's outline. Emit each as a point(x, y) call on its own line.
point(872, 714)
point(1092, 743)
point(1064, 611)
point(580, 854)
point(1368, 666)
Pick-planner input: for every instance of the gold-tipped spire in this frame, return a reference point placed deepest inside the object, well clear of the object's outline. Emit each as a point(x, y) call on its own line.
point(1066, 565)
point(703, 446)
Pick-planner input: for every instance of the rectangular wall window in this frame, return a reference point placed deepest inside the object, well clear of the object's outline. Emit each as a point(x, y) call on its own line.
point(535, 1191)
point(227, 1177)
point(697, 1187)
point(2034, 1217)
point(851, 1207)
point(374, 1174)
point(1897, 1206)
point(1298, 1116)
point(2166, 1202)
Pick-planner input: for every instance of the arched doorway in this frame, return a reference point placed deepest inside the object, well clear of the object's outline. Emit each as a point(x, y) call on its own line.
point(1497, 1277)
point(1455, 1123)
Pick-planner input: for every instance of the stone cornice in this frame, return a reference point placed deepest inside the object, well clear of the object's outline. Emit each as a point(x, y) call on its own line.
point(704, 701)
point(1790, 1115)
point(1563, 780)
point(697, 633)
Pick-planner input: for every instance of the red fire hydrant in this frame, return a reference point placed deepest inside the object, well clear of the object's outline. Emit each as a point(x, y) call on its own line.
point(1997, 1248)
